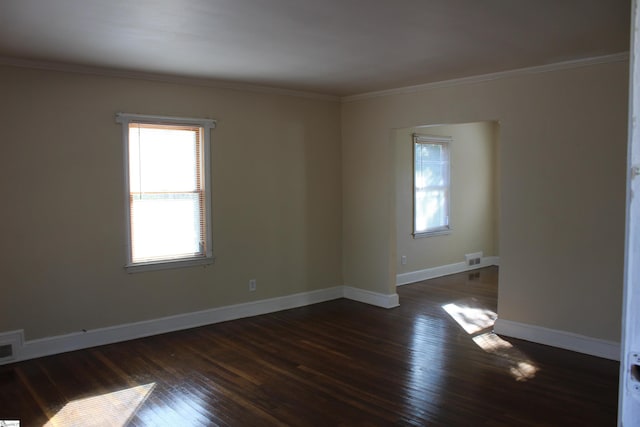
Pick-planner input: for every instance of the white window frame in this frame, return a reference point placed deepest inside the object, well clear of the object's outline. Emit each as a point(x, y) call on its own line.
point(206, 124)
point(444, 141)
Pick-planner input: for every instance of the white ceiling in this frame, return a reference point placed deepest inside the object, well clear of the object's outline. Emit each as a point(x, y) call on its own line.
point(336, 47)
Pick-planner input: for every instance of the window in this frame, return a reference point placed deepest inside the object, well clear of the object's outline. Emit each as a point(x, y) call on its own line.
point(168, 195)
point(431, 185)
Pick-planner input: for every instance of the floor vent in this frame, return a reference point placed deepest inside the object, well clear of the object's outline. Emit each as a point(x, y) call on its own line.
point(473, 259)
point(10, 343)
point(6, 351)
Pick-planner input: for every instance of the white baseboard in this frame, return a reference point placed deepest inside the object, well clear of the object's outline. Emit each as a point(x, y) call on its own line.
point(95, 337)
point(30, 349)
point(91, 338)
point(443, 270)
point(562, 339)
point(373, 298)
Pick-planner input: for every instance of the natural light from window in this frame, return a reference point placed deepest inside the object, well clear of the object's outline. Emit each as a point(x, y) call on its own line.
point(471, 316)
point(110, 409)
point(431, 184)
point(166, 192)
point(477, 321)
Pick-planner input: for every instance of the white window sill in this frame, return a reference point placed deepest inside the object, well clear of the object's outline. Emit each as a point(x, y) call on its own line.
point(167, 265)
point(432, 233)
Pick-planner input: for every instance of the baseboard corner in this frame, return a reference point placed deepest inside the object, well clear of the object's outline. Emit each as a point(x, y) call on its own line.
point(373, 298)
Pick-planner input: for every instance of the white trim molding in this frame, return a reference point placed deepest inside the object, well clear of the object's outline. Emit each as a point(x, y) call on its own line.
point(247, 87)
point(566, 65)
point(443, 270)
point(372, 298)
point(562, 339)
point(159, 77)
point(112, 334)
point(24, 350)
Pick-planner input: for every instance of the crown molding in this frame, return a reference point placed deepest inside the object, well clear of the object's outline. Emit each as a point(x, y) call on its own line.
point(158, 77)
point(220, 84)
point(565, 65)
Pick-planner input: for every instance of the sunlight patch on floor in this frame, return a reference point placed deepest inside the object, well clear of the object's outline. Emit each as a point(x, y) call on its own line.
point(109, 409)
point(471, 317)
point(477, 321)
point(521, 368)
point(523, 371)
point(491, 343)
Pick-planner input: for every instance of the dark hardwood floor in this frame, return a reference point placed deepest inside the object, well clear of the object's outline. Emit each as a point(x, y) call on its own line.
point(335, 363)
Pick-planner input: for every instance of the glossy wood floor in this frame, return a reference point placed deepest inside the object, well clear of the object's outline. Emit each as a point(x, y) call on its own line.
point(335, 363)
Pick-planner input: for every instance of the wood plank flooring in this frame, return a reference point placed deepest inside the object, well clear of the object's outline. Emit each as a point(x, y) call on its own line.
point(336, 363)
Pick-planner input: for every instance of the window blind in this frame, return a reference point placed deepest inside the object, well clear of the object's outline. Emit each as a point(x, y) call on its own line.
point(431, 184)
point(166, 192)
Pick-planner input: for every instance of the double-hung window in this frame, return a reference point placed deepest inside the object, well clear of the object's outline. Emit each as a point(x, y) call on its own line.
point(431, 185)
point(168, 191)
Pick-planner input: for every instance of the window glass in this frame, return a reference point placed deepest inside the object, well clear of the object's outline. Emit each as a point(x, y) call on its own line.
point(431, 185)
point(168, 194)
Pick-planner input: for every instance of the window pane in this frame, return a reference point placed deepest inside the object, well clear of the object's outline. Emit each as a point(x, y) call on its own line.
point(162, 160)
point(431, 180)
point(167, 183)
point(431, 152)
point(431, 210)
point(165, 226)
point(431, 165)
point(430, 174)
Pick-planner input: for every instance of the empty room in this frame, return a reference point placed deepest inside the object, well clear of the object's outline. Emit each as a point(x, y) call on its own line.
point(246, 213)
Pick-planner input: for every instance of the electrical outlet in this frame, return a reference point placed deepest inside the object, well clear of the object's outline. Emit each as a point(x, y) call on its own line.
point(252, 285)
point(403, 260)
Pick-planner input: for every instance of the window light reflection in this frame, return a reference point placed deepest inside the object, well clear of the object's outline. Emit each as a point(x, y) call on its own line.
point(109, 409)
point(491, 343)
point(470, 315)
point(523, 371)
point(476, 320)
point(521, 368)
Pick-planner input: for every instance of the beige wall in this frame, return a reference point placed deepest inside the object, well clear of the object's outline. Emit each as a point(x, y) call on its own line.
point(296, 208)
point(276, 200)
point(562, 188)
point(473, 206)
